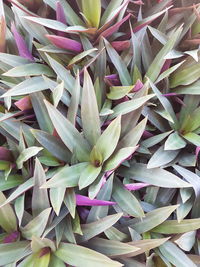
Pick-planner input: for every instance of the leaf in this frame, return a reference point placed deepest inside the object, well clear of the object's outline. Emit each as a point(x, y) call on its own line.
point(153, 218)
point(159, 60)
point(37, 225)
point(58, 93)
point(19, 191)
point(192, 138)
point(32, 69)
point(57, 195)
point(11, 182)
point(175, 255)
point(68, 133)
point(107, 142)
point(186, 75)
point(162, 157)
point(174, 142)
point(13, 60)
point(145, 245)
point(156, 176)
point(111, 247)
point(87, 257)
point(92, 12)
point(186, 241)
point(31, 85)
point(88, 176)
point(80, 56)
point(130, 105)
point(62, 73)
point(65, 43)
point(67, 176)
point(174, 227)
point(53, 144)
point(37, 100)
point(26, 154)
point(8, 219)
point(93, 229)
point(118, 157)
point(40, 199)
point(74, 103)
point(89, 111)
point(70, 201)
point(149, 142)
point(117, 92)
point(126, 200)
point(119, 64)
point(132, 137)
point(13, 252)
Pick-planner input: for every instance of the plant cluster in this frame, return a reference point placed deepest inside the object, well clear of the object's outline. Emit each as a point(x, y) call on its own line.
point(99, 133)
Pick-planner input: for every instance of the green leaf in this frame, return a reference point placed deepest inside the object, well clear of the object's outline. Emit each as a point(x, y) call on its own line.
point(86, 257)
point(28, 86)
point(89, 111)
point(32, 69)
point(149, 142)
point(40, 199)
point(112, 7)
point(36, 226)
point(117, 158)
point(130, 105)
point(156, 176)
point(70, 201)
point(12, 252)
point(80, 56)
point(186, 241)
point(192, 138)
point(53, 144)
point(145, 245)
point(11, 182)
point(186, 75)
point(58, 93)
point(192, 123)
point(8, 219)
point(192, 89)
point(174, 227)
point(159, 60)
point(40, 110)
point(92, 12)
point(56, 197)
point(62, 73)
point(68, 133)
point(174, 142)
point(56, 262)
point(93, 229)
point(107, 142)
point(19, 208)
point(67, 176)
point(162, 157)
point(111, 247)
point(26, 154)
point(74, 103)
point(126, 200)
point(153, 218)
point(175, 255)
point(119, 64)
point(88, 176)
point(117, 92)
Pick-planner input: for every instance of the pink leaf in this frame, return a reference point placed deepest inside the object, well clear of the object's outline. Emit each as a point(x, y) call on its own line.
point(11, 237)
point(24, 103)
point(86, 201)
point(138, 86)
point(21, 44)
point(65, 43)
point(197, 152)
point(135, 186)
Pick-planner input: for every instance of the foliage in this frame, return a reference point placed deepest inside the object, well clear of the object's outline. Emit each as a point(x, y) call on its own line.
point(99, 133)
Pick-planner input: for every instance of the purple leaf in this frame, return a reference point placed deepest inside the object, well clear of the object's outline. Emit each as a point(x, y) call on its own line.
point(21, 44)
point(120, 45)
point(197, 152)
point(108, 32)
point(5, 154)
point(60, 16)
point(11, 237)
point(169, 94)
point(65, 43)
point(147, 134)
point(112, 80)
point(135, 186)
point(166, 65)
point(138, 86)
point(86, 201)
